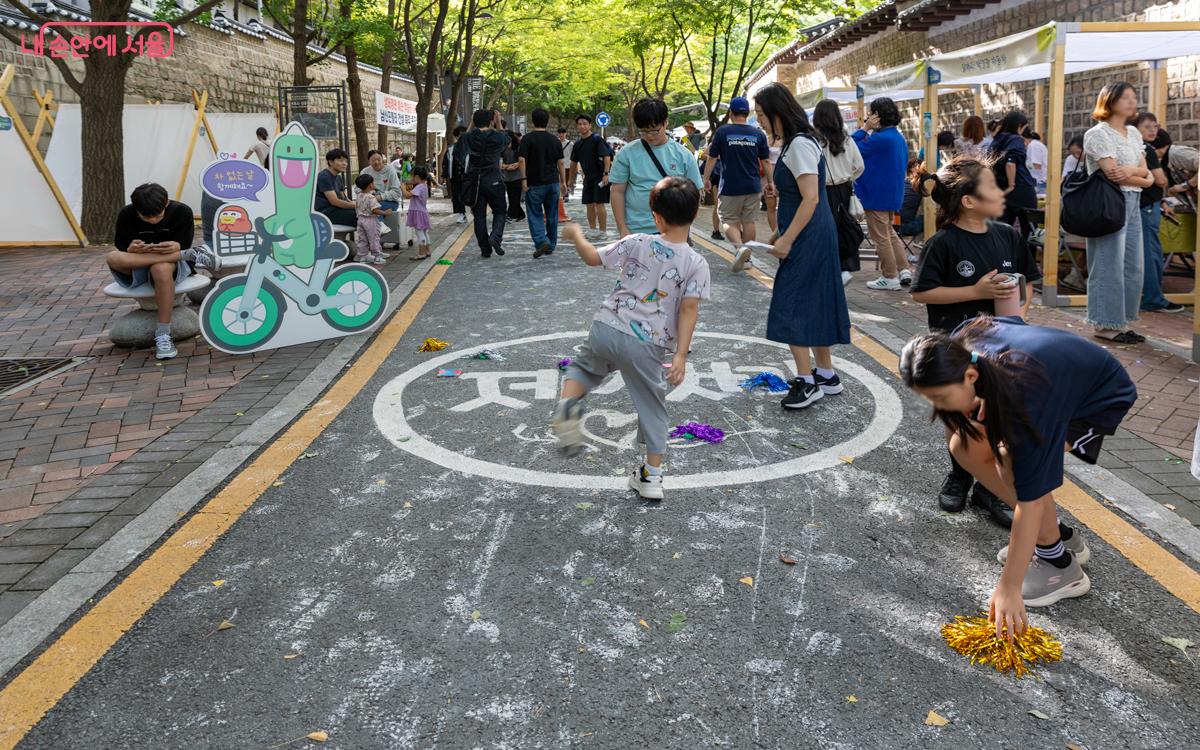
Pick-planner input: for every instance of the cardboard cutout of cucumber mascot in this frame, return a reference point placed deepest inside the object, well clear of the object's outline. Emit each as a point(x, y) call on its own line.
point(290, 292)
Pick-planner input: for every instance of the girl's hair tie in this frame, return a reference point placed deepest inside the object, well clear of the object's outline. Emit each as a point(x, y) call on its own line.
point(974, 358)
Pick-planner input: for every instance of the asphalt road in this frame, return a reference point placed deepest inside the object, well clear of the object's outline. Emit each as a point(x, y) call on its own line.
point(441, 577)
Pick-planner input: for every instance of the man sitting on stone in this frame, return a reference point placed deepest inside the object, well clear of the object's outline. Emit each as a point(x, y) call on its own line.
point(154, 245)
point(332, 198)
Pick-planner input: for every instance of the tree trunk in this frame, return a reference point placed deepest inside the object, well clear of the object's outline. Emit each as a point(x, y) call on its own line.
point(422, 125)
point(358, 114)
point(385, 82)
point(300, 43)
point(101, 105)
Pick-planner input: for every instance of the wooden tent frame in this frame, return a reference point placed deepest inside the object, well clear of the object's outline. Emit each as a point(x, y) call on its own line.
point(1157, 104)
point(31, 146)
point(200, 102)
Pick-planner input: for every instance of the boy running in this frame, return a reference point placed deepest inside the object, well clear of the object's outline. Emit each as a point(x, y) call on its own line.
point(651, 313)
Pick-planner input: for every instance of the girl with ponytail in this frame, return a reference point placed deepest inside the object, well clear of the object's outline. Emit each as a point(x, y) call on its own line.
point(1012, 397)
point(970, 266)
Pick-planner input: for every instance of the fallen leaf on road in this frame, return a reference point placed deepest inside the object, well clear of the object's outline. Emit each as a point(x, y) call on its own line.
point(219, 582)
point(786, 559)
point(1073, 746)
point(307, 455)
point(1038, 714)
point(589, 581)
point(934, 719)
point(381, 481)
point(847, 459)
point(317, 736)
point(851, 699)
point(801, 446)
point(239, 414)
point(583, 506)
point(643, 624)
point(748, 580)
point(619, 471)
point(1168, 506)
point(677, 623)
point(407, 504)
point(476, 615)
point(677, 556)
point(1183, 644)
point(289, 657)
point(277, 484)
point(225, 625)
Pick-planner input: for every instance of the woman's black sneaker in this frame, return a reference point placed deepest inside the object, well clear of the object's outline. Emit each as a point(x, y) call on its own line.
point(716, 235)
point(829, 386)
point(801, 395)
point(982, 497)
point(953, 496)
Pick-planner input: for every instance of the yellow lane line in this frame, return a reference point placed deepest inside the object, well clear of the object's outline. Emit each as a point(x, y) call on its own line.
point(26, 699)
point(1171, 573)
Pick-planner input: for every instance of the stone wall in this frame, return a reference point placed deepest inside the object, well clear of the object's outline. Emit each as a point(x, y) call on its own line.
point(241, 74)
point(894, 47)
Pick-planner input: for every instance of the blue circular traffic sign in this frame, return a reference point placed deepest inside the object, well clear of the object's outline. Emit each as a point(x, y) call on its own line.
point(602, 119)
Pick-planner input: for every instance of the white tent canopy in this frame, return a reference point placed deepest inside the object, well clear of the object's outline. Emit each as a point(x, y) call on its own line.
point(1027, 56)
point(901, 83)
point(809, 99)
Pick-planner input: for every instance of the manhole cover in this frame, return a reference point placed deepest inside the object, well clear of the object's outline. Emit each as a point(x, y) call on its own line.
point(19, 372)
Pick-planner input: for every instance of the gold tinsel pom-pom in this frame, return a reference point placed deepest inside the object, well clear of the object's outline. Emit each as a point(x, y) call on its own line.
point(975, 637)
point(433, 345)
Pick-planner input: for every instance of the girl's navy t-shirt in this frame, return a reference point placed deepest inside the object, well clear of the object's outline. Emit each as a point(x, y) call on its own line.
point(1074, 380)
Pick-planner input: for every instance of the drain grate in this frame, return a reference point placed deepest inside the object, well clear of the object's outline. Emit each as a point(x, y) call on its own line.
point(19, 372)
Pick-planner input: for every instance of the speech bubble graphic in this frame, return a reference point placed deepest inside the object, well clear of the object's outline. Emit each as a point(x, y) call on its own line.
point(234, 179)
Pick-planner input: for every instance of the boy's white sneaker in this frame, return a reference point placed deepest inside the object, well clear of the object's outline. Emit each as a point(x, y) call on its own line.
point(649, 486)
point(905, 277)
point(846, 278)
point(568, 424)
point(885, 284)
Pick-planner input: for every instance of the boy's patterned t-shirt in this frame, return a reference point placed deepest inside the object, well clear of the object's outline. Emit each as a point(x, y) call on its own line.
point(655, 276)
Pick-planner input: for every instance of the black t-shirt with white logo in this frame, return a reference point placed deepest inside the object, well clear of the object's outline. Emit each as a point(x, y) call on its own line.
point(589, 153)
point(955, 257)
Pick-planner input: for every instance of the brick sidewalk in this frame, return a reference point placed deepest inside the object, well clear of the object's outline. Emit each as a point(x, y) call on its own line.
point(1153, 450)
point(83, 452)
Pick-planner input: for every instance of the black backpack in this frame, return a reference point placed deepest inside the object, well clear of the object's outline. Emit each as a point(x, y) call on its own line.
point(1092, 205)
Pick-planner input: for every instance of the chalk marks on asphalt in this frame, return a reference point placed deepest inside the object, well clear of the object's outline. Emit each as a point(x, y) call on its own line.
point(526, 386)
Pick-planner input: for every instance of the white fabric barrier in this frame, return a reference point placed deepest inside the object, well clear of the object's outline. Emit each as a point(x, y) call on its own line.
point(28, 211)
point(156, 139)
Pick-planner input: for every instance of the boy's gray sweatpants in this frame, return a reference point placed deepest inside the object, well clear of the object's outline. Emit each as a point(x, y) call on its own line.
point(640, 365)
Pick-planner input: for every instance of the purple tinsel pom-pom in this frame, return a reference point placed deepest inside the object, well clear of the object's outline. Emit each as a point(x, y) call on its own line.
point(768, 380)
point(564, 363)
point(697, 431)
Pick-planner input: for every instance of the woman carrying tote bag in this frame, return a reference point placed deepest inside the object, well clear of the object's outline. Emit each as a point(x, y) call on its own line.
point(1115, 262)
point(843, 165)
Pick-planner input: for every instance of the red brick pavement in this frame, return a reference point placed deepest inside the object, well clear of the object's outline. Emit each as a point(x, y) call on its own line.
point(57, 435)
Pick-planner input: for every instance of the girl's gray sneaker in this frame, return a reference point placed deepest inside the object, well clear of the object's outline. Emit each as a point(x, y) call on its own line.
point(568, 424)
point(1075, 545)
point(1046, 584)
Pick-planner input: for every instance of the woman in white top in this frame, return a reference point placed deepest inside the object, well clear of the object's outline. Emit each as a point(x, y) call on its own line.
point(973, 135)
point(843, 165)
point(1115, 261)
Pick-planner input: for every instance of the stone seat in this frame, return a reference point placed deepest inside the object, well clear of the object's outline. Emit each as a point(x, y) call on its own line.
point(136, 328)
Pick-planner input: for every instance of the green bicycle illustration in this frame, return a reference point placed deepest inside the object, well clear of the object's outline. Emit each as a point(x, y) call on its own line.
point(246, 310)
point(243, 312)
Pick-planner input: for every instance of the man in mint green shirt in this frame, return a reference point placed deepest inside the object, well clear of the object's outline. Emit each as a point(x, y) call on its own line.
point(634, 172)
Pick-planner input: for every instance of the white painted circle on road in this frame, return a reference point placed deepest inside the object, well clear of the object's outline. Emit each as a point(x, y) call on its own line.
point(389, 416)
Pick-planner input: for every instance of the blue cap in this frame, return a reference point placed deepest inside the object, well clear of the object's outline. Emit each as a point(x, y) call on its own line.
point(739, 104)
